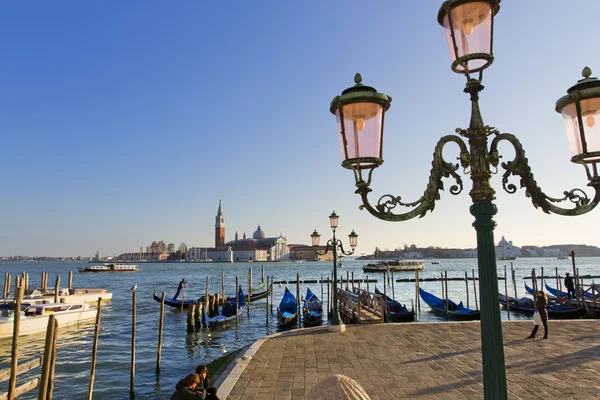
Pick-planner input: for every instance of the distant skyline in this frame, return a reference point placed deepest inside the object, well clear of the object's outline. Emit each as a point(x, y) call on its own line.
point(126, 122)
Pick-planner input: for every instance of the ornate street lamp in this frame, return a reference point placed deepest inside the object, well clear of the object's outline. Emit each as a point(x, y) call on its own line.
point(334, 245)
point(360, 114)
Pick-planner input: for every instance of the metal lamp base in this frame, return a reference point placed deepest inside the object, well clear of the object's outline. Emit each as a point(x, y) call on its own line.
point(337, 328)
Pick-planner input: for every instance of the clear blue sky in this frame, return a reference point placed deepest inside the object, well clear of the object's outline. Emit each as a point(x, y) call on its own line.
point(124, 122)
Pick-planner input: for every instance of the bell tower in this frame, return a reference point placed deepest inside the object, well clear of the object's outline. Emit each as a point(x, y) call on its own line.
point(219, 228)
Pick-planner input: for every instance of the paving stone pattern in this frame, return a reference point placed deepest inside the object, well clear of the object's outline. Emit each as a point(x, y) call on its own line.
point(426, 361)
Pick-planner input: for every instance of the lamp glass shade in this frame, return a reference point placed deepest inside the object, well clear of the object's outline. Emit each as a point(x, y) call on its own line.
point(333, 220)
point(472, 29)
point(590, 115)
point(316, 238)
point(353, 239)
point(360, 131)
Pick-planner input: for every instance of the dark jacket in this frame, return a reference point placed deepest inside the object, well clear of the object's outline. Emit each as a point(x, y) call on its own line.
point(540, 306)
point(183, 392)
point(569, 282)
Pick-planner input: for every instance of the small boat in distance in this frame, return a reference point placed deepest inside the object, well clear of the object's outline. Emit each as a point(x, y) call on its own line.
point(34, 318)
point(110, 268)
point(395, 266)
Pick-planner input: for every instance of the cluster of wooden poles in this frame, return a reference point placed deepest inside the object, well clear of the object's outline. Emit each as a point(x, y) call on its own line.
point(48, 362)
point(24, 279)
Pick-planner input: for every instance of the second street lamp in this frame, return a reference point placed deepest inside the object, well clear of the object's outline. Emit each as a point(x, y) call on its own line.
point(335, 324)
point(360, 112)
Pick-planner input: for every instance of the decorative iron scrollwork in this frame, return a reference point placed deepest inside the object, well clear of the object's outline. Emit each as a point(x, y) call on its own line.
point(440, 169)
point(520, 167)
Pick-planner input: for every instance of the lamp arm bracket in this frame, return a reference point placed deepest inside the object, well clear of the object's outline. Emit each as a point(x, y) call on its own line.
point(440, 169)
point(519, 166)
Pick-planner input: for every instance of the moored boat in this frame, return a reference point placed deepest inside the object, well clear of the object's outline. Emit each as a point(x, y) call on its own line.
point(455, 311)
point(312, 310)
point(287, 311)
point(396, 311)
point(110, 268)
point(555, 311)
point(395, 266)
point(72, 296)
point(228, 312)
point(34, 318)
point(565, 295)
point(176, 303)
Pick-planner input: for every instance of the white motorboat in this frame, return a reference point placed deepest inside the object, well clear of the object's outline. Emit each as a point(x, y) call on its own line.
point(395, 266)
point(34, 318)
point(111, 268)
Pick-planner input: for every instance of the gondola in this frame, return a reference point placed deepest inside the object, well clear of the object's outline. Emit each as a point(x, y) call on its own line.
point(530, 291)
point(312, 309)
point(455, 311)
point(227, 312)
point(565, 295)
point(555, 311)
point(287, 311)
point(396, 311)
point(188, 302)
point(177, 303)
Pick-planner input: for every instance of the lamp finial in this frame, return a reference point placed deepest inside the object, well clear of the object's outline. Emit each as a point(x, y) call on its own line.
point(587, 72)
point(357, 78)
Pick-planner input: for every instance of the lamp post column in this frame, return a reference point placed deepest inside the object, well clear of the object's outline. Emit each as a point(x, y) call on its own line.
point(335, 324)
point(492, 347)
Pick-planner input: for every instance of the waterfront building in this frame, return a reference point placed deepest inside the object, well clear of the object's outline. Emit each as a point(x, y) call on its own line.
point(470, 253)
point(505, 250)
point(259, 247)
point(302, 252)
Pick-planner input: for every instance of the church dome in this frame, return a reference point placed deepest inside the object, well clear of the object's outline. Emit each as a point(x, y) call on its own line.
point(502, 242)
point(259, 234)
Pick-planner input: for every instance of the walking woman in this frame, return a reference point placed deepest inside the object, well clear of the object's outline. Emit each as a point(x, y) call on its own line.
point(540, 309)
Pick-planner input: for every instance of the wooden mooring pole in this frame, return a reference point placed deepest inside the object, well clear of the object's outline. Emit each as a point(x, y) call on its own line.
point(237, 297)
point(249, 287)
point(506, 293)
point(262, 274)
point(132, 369)
point(47, 360)
point(190, 317)
point(95, 349)
point(467, 286)
point(70, 280)
point(267, 301)
point(57, 288)
point(298, 296)
point(52, 363)
point(223, 287)
point(272, 280)
point(12, 385)
point(512, 272)
point(160, 332)
point(417, 290)
point(6, 290)
point(445, 293)
point(475, 290)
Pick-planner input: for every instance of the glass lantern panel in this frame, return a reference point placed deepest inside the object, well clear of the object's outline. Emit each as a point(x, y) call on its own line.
point(590, 113)
point(472, 23)
point(315, 239)
point(362, 124)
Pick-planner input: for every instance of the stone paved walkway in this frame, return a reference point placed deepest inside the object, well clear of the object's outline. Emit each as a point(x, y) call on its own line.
point(421, 361)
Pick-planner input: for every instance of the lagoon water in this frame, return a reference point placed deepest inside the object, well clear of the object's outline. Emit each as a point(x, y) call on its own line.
point(183, 351)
